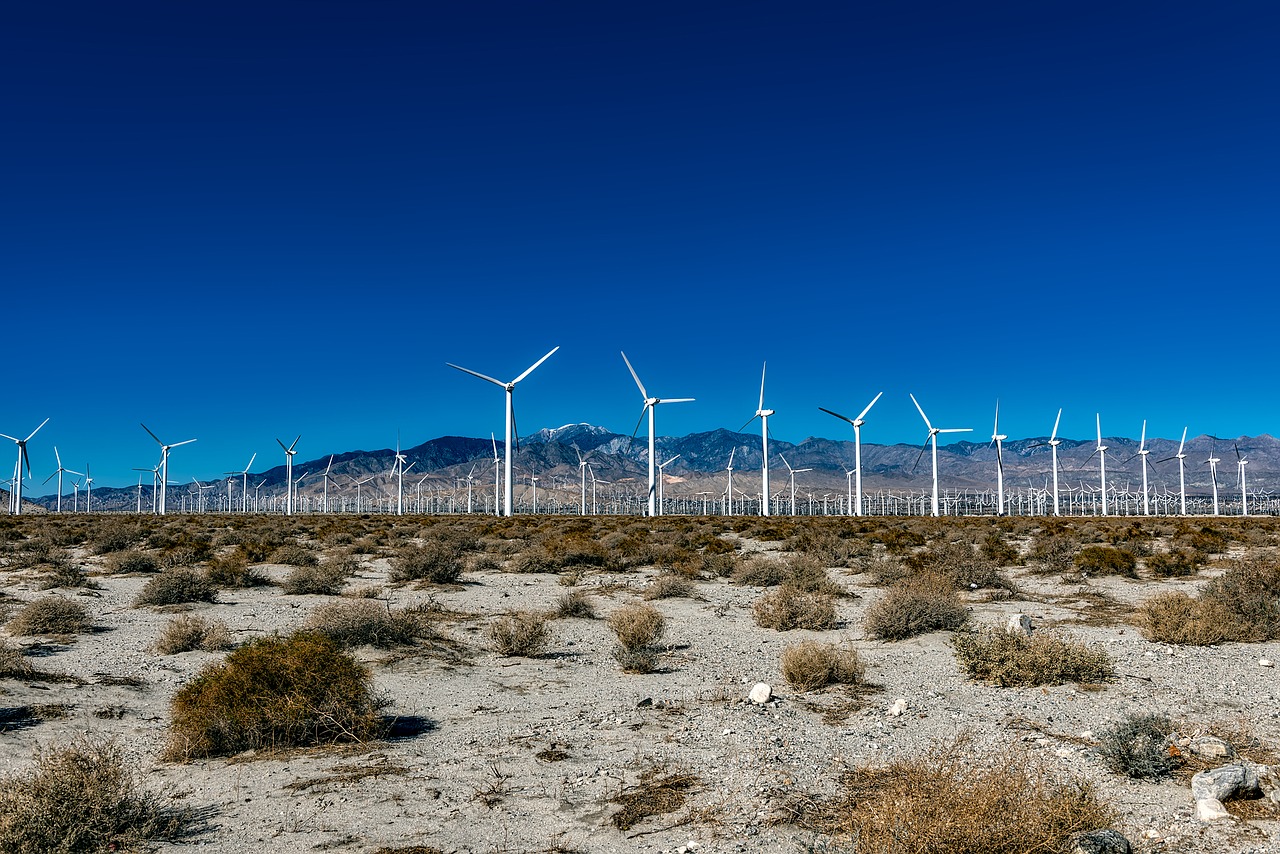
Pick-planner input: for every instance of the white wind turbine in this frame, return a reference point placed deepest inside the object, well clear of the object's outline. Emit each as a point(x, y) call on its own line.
point(244, 485)
point(256, 505)
point(59, 474)
point(1143, 452)
point(582, 472)
point(398, 469)
point(763, 414)
point(75, 497)
point(729, 492)
point(857, 447)
point(1101, 452)
point(1053, 444)
point(997, 439)
point(1213, 472)
point(848, 482)
point(471, 479)
point(327, 479)
point(511, 433)
point(792, 474)
point(88, 489)
point(651, 403)
point(933, 438)
point(288, 473)
point(164, 465)
point(1182, 477)
point(23, 460)
point(661, 476)
point(497, 482)
point(1241, 462)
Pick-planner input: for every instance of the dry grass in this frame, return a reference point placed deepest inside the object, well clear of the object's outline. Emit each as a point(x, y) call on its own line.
point(12, 661)
point(188, 632)
point(788, 608)
point(671, 586)
point(367, 622)
point(325, 579)
point(1174, 617)
point(575, 604)
point(915, 607)
point(437, 561)
point(290, 691)
point(82, 798)
point(1138, 746)
point(637, 626)
point(52, 615)
point(655, 794)
point(523, 633)
point(947, 803)
point(810, 665)
point(132, 561)
point(176, 587)
point(1011, 659)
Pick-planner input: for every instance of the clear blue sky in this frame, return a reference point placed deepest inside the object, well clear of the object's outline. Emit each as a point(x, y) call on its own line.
point(238, 221)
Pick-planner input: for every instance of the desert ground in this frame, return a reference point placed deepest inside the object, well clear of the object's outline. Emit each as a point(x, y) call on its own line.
point(562, 750)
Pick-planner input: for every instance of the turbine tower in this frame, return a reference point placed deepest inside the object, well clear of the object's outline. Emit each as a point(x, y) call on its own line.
point(1101, 453)
point(1213, 472)
point(582, 472)
point(164, 465)
point(244, 485)
point(763, 414)
point(1241, 462)
point(511, 433)
point(932, 438)
point(792, 473)
point(59, 474)
point(997, 439)
point(23, 461)
point(662, 476)
point(1182, 476)
point(288, 473)
point(857, 448)
point(728, 507)
point(650, 404)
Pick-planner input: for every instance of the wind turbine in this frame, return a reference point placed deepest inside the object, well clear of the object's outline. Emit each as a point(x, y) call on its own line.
point(1213, 472)
point(661, 475)
point(327, 479)
point(244, 485)
point(155, 485)
point(397, 469)
point(651, 403)
point(1241, 462)
point(933, 438)
point(792, 473)
point(288, 473)
point(763, 414)
point(88, 489)
point(997, 438)
point(471, 479)
point(857, 447)
point(1143, 452)
point(59, 474)
point(164, 465)
point(497, 484)
point(23, 460)
point(729, 492)
point(1182, 478)
point(511, 418)
point(1101, 453)
point(582, 472)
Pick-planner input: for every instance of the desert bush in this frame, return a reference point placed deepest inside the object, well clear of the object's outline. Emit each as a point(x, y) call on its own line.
point(948, 803)
point(1250, 590)
point(132, 561)
point(187, 632)
point(1174, 617)
point(671, 586)
point(523, 633)
point(366, 622)
point(760, 572)
point(82, 798)
point(436, 561)
point(1138, 746)
point(115, 537)
point(177, 586)
point(1014, 659)
point(1107, 560)
point(637, 626)
point(290, 691)
point(575, 604)
point(1205, 540)
point(52, 615)
point(643, 660)
point(915, 607)
point(786, 608)
point(292, 554)
point(12, 661)
point(998, 550)
point(900, 541)
point(1173, 564)
point(234, 571)
point(1053, 551)
point(325, 579)
point(65, 574)
point(810, 665)
point(807, 573)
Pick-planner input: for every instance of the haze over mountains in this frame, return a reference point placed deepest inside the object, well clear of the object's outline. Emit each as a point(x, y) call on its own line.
point(552, 455)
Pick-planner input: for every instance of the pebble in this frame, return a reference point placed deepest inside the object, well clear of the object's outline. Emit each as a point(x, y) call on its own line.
point(1264, 662)
point(760, 694)
point(899, 706)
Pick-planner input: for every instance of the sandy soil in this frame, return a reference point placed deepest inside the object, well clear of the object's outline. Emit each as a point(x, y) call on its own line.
point(516, 754)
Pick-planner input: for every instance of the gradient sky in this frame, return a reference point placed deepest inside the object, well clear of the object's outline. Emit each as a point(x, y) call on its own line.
point(241, 221)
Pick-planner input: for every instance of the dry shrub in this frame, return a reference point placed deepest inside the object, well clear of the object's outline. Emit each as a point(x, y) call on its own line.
point(1138, 747)
point(188, 631)
point(437, 561)
point(807, 573)
point(1012, 659)
point(115, 537)
point(67, 575)
point(234, 571)
point(1250, 590)
point(366, 622)
point(1173, 564)
point(998, 550)
point(53, 615)
point(523, 633)
point(575, 604)
point(1107, 560)
point(947, 803)
point(132, 561)
point(325, 579)
point(760, 572)
point(1053, 551)
point(82, 798)
point(810, 665)
point(1174, 617)
point(671, 586)
point(960, 565)
point(177, 586)
point(12, 661)
point(293, 554)
point(655, 794)
point(290, 691)
point(637, 626)
point(788, 608)
point(915, 607)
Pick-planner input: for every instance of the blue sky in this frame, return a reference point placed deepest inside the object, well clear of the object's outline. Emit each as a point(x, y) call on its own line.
point(243, 221)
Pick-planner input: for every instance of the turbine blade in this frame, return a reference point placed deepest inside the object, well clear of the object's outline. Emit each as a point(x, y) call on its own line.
point(476, 374)
point(49, 478)
point(923, 448)
point(327, 468)
point(1180, 444)
point(921, 411)
point(56, 456)
point(534, 365)
point(997, 427)
point(37, 430)
point(515, 430)
point(864, 412)
point(836, 414)
point(254, 457)
point(748, 424)
point(643, 409)
point(282, 447)
point(762, 369)
point(1054, 435)
point(295, 443)
point(677, 400)
point(643, 393)
point(179, 444)
point(152, 435)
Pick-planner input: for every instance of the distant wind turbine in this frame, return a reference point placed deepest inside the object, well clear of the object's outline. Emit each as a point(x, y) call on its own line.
point(857, 447)
point(582, 472)
point(763, 414)
point(1101, 453)
point(23, 462)
point(1213, 472)
point(661, 476)
point(288, 473)
point(933, 438)
point(1182, 477)
point(792, 474)
point(244, 485)
point(650, 404)
point(997, 439)
point(1241, 462)
point(59, 474)
point(164, 465)
point(511, 432)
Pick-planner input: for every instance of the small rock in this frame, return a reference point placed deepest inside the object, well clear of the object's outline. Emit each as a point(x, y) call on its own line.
point(1210, 809)
point(645, 703)
point(1265, 662)
point(1211, 748)
point(1019, 624)
point(1106, 841)
point(1063, 752)
point(899, 706)
point(1225, 782)
point(760, 694)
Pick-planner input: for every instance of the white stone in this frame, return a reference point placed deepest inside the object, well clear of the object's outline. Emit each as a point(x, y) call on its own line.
point(1226, 781)
point(760, 694)
point(1064, 752)
point(1211, 747)
point(1019, 624)
point(1265, 662)
point(1210, 809)
point(899, 706)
